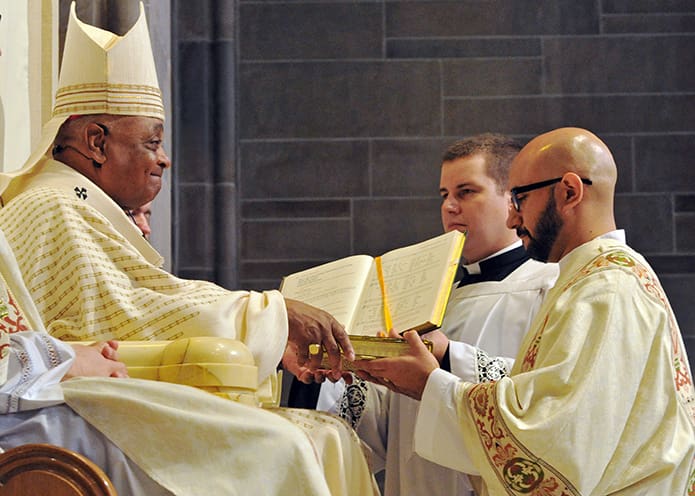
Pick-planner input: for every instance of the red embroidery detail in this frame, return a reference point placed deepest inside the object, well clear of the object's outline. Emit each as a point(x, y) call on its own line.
point(517, 469)
point(14, 320)
point(526, 474)
point(650, 283)
point(532, 352)
point(523, 475)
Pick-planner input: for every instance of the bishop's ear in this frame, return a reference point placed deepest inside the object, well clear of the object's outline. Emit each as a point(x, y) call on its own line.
point(96, 140)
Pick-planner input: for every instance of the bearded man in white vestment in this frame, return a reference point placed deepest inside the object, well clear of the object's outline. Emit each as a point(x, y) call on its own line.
point(600, 400)
point(94, 277)
point(497, 293)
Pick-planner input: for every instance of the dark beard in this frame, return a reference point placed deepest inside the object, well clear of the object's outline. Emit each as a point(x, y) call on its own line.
point(547, 230)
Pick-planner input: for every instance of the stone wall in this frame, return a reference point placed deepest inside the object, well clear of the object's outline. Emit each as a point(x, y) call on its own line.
point(312, 130)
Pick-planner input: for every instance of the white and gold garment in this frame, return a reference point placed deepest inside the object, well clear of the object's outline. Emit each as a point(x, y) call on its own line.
point(93, 277)
point(486, 323)
point(600, 400)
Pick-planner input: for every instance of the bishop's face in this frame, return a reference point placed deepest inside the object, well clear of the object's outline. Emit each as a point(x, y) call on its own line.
point(135, 161)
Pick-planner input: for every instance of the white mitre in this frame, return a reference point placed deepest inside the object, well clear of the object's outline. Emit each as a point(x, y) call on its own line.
point(101, 73)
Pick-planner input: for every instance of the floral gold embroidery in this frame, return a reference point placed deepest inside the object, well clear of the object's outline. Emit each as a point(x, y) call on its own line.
point(650, 284)
point(621, 258)
point(532, 351)
point(522, 475)
point(518, 470)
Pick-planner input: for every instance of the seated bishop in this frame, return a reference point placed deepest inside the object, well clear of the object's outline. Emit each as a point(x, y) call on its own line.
point(158, 438)
point(92, 276)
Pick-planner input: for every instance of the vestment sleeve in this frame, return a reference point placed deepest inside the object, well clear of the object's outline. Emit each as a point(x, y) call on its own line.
point(90, 283)
point(438, 436)
point(330, 396)
point(36, 363)
point(472, 364)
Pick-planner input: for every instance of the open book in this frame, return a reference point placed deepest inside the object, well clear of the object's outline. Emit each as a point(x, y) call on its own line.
point(416, 281)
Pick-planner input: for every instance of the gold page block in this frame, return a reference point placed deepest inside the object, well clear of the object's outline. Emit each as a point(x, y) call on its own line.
point(373, 347)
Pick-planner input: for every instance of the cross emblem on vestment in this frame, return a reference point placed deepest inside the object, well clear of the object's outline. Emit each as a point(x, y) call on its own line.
point(81, 193)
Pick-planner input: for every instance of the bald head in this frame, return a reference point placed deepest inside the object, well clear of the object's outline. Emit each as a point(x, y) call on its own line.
point(571, 149)
point(584, 211)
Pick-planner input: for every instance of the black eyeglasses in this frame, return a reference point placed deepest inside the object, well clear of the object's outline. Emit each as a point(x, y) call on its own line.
point(530, 187)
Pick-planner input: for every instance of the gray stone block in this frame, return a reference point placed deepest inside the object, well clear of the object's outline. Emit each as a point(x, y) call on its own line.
point(386, 122)
point(621, 148)
point(665, 163)
point(277, 31)
point(479, 77)
point(259, 284)
point(647, 220)
point(407, 167)
point(228, 278)
point(275, 271)
point(224, 19)
point(350, 99)
point(685, 232)
point(194, 20)
point(644, 23)
point(600, 114)
point(304, 169)
point(195, 245)
point(224, 108)
point(294, 209)
point(680, 290)
point(201, 274)
point(646, 6)
point(193, 132)
point(490, 18)
point(385, 224)
point(619, 64)
point(300, 239)
point(226, 234)
point(685, 203)
point(468, 47)
point(672, 264)
point(689, 341)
